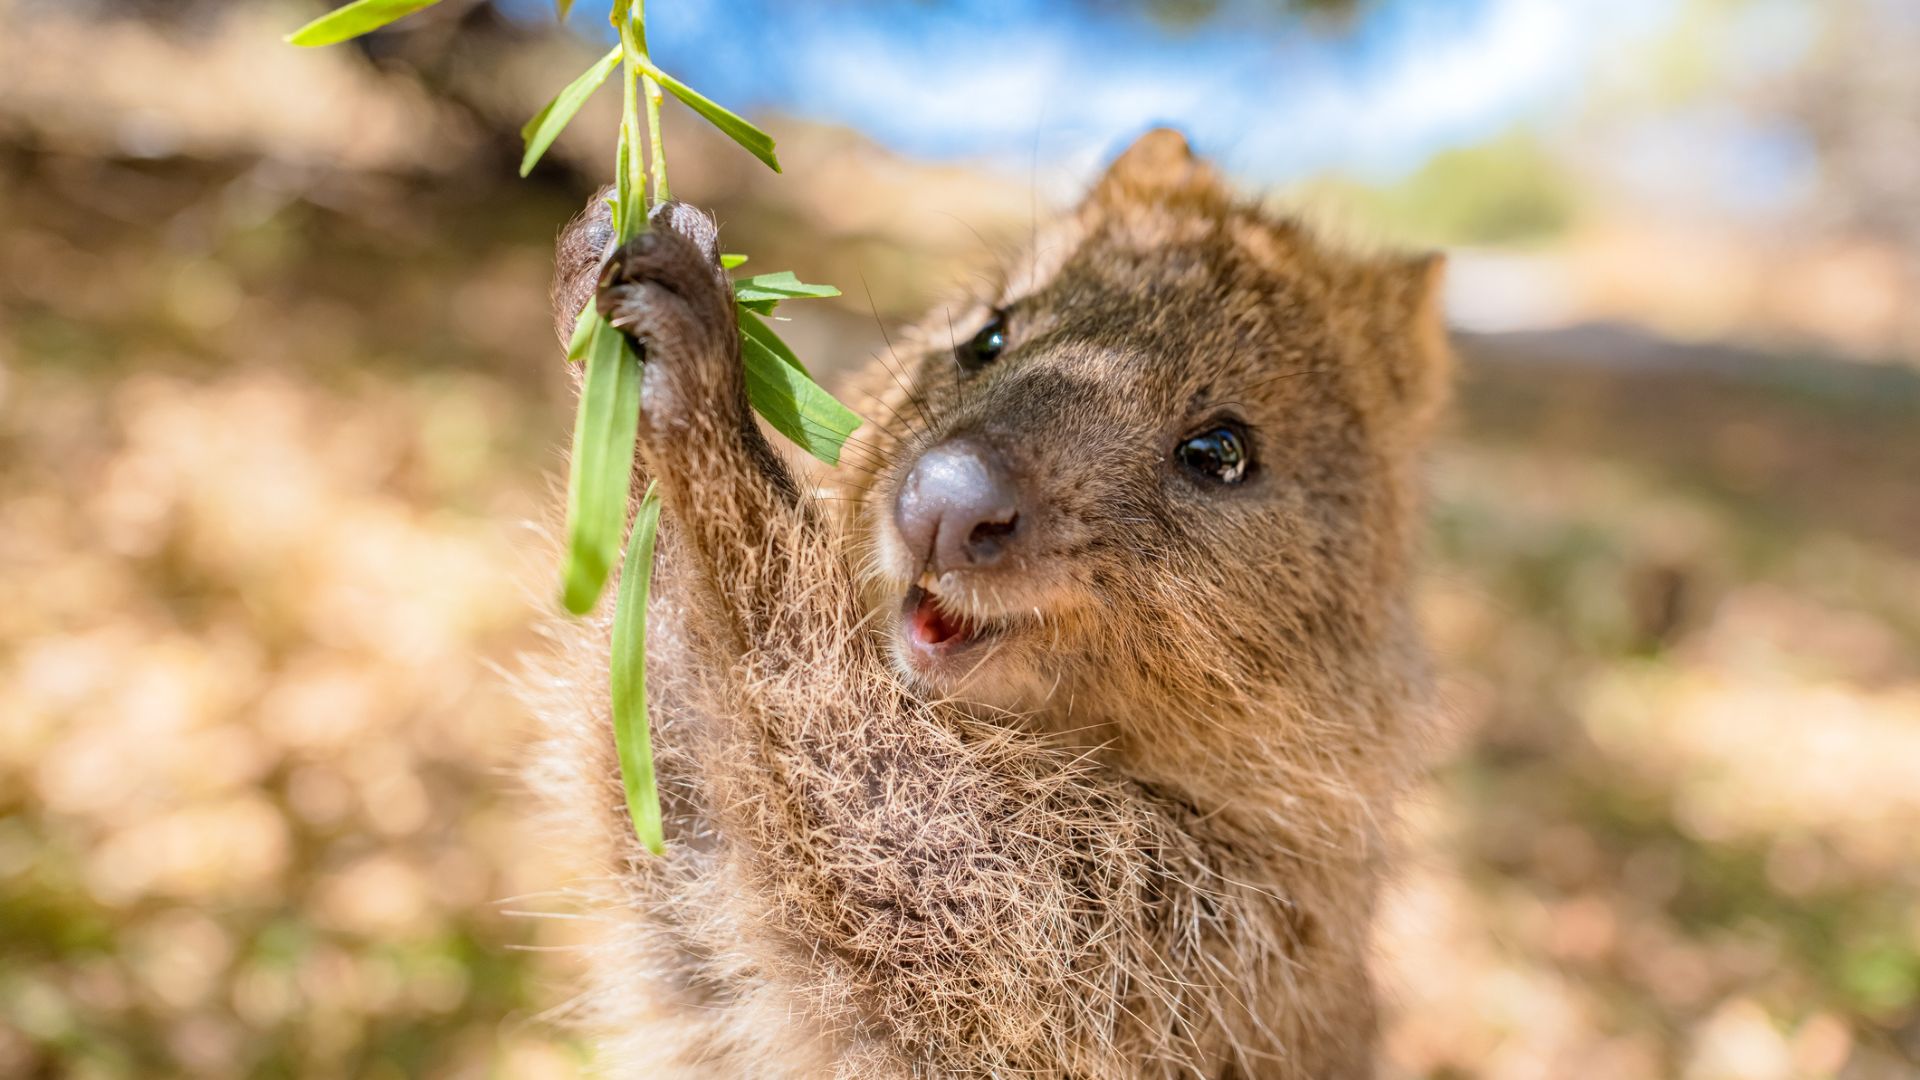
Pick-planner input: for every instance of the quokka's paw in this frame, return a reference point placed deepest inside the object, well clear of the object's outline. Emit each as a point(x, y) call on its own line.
point(666, 290)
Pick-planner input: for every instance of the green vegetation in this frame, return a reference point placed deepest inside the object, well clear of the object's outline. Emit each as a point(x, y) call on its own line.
point(1504, 192)
point(778, 386)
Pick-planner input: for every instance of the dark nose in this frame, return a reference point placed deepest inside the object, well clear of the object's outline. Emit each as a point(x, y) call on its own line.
point(959, 508)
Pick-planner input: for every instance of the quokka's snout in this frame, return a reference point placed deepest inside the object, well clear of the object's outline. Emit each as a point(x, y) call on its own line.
point(960, 507)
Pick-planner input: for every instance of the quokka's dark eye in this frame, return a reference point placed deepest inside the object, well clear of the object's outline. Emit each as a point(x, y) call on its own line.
point(1218, 454)
point(986, 346)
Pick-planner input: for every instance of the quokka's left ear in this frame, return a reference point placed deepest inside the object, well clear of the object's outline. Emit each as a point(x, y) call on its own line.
point(1407, 362)
point(1157, 165)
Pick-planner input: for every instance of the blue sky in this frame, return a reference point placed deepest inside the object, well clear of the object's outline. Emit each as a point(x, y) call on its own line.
point(1053, 86)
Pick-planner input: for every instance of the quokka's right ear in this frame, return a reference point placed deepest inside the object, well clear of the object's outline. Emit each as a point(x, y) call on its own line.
point(577, 255)
point(1409, 362)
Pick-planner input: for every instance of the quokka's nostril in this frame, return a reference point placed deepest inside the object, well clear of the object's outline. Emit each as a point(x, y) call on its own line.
point(988, 537)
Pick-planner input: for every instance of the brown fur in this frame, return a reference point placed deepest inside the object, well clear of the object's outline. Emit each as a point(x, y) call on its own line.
point(1142, 836)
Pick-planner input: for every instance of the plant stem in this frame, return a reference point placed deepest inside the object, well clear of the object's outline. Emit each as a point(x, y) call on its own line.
point(656, 146)
point(633, 181)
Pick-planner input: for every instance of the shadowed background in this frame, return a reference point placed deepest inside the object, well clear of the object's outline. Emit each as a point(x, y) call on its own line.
point(282, 426)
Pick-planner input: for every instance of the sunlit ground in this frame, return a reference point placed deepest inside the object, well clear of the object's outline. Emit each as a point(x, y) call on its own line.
point(278, 453)
point(261, 513)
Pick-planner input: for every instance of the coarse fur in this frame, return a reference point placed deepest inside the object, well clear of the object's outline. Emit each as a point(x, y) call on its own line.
point(1139, 832)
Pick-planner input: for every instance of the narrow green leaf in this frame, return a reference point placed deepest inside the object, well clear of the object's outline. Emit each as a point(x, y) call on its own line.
point(630, 724)
point(758, 307)
point(603, 438)
point(776, 287)
point(546, 126)
point(582, 332)
point(359, 17)
point(794, 404)
point(629, 198)
point(618, 200)
point(562, 9)
point(757, 142)
point(730, 261)
point(762, 334)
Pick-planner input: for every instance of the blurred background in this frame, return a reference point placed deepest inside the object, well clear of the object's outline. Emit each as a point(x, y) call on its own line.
point(282, 429)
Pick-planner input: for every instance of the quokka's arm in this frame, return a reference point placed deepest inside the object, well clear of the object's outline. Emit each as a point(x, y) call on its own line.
point(947, 874)
point(725, 489)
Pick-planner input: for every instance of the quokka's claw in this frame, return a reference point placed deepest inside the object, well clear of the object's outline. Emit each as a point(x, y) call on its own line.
point(691, 222)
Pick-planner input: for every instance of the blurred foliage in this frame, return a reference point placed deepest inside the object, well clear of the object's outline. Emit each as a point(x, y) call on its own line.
point(1505, 191)
point(1179, 13)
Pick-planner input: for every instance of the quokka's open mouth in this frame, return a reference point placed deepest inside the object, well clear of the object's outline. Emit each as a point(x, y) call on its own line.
point(933, 632)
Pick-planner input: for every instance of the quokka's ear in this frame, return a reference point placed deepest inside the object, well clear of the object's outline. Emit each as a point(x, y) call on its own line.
point(1158, 164)
point(1409, 364)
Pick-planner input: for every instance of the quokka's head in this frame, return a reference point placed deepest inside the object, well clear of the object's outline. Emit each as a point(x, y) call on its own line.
point(1169, 454)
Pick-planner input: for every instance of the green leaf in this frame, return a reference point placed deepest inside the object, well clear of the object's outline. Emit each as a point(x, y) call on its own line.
point(794, 404)
point(603, 438)
point(618, 200)
point(546, 126)
point(730, 262)
point(562, 9)
point(758, 307)
point(630, 725)
point(629, 199)
point(762, 334)
point(359, 17)
point(777, 287)
point(582, 332)
point(757, 142)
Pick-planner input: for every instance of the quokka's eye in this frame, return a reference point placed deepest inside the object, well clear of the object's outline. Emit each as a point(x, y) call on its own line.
point(1218, 454)
point(986, 346)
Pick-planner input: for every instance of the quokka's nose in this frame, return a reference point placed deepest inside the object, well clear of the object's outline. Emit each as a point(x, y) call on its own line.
point(959, 508)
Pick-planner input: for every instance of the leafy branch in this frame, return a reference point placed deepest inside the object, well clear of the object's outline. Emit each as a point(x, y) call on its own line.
point(606, 427)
